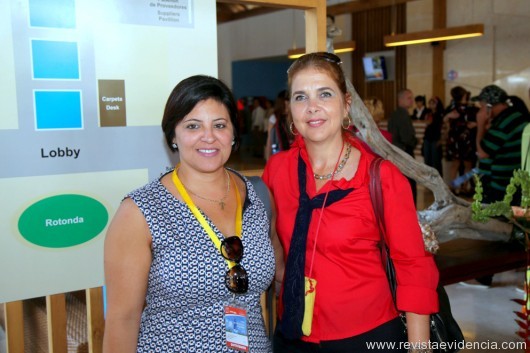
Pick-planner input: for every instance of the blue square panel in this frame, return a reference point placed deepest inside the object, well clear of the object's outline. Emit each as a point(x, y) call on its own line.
point(55, 60)
point(52, 13)
point(58, 110)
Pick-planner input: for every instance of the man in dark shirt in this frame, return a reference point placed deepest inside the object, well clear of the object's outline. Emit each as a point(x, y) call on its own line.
point(402, 130)
point(500, 127)
point(499, 137)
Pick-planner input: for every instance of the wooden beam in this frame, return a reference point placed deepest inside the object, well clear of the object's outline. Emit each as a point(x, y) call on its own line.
point(95, 319)
point(14, 321)
point(56, 318)
point(434, 35)
point(315, 18)
point(223, 17)
point(438, 77)
point(359, 6)
point(315, 28)
point(285, 4)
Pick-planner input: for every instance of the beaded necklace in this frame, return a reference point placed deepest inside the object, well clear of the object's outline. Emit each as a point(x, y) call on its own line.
point(339, 168)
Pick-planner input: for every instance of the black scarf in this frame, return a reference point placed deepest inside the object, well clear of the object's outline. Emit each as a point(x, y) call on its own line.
point(293, 288)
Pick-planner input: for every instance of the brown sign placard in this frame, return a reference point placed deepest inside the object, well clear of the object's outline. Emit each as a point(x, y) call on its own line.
point(112, 103)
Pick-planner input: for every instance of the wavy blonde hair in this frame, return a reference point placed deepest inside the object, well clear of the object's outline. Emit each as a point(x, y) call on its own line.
point(375, 107)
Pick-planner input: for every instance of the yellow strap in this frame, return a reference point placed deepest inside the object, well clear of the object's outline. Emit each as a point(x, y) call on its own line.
point(187, 199)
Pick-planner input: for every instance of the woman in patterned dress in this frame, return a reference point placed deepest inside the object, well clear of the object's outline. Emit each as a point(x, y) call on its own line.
point(167, 283)
point(460, 147)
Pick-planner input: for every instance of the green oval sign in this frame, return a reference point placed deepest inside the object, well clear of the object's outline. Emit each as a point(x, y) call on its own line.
point(62, 221)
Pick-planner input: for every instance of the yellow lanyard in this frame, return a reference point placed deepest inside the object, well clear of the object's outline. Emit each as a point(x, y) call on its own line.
point(187, 199)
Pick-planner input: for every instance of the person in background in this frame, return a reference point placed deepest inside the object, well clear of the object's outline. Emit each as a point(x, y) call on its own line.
point(432, 140)
point(402, 130)
point(461, 136)
point(499, 139)
point(525, 149)
point(520, 106)
point(278, 137)
point(174, 273)
point(258, 130)
point(376, 109)
point(500, 127)
point(525, 146)
point(420, 111)
point(329, 233)
point(269, 110)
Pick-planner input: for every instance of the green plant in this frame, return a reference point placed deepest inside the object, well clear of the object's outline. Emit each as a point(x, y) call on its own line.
point(519, 215)
point(482, 213)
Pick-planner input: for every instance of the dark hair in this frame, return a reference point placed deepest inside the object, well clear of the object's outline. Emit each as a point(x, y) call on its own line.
point(458, 93)
point(519, 105)
point(280, 105)
point(420, 99)
point(439, 105)
point(185, 96)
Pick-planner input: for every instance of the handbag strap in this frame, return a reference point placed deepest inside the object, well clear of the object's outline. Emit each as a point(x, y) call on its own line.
point(376, 196)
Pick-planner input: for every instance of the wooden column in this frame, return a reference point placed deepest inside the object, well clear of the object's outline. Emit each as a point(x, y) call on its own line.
point(438, 77)
point(315, 18)
point(14, 320)
point(315, 27)
point(56, 318)
point(95, 319)
point(368, 30)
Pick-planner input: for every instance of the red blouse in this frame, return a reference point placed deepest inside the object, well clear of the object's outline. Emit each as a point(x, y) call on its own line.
point(352, 292)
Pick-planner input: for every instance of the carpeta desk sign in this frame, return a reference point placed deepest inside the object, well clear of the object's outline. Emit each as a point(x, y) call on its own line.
point(63, 221)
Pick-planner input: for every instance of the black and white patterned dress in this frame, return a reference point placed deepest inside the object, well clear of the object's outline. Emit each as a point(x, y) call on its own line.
point(186, 291)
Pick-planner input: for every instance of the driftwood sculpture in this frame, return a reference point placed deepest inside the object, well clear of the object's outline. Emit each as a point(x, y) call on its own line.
point(449, 216)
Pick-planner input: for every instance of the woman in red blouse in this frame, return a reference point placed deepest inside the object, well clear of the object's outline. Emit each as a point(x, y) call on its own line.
point(326, 224)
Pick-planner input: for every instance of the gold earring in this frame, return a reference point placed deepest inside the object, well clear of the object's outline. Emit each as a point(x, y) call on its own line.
point(348, 122)
point(291, 126)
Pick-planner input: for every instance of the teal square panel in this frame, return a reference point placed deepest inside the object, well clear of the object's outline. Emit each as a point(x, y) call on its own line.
point(52, 13)
point(55, 60)
point(58, 110)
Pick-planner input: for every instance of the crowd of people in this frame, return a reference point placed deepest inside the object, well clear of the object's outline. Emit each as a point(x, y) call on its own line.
point(450, 132)
point(188, 255)
point(470, 134)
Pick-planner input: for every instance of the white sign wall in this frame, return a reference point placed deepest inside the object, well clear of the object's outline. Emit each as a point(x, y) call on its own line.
point(83, 84)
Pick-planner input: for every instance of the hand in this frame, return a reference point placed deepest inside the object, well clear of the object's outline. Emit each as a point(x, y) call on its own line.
point(453, 114)
point(471, 124)
point(428, 118)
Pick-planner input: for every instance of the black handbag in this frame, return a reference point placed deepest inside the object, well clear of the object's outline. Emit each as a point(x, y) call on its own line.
point(446, 336)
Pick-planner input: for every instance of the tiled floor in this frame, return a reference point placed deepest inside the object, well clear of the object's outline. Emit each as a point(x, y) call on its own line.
point(486, 314)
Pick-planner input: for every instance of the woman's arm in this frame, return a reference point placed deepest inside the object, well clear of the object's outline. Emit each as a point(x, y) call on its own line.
point(415, 268)
point(418, 332)
point(482, 128)
point(127, 261)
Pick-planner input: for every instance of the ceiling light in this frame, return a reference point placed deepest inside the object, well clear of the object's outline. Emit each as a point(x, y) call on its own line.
point(340, 47)
point(435, 35)
point(295, 53)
